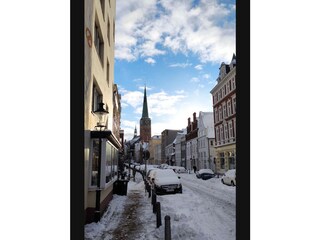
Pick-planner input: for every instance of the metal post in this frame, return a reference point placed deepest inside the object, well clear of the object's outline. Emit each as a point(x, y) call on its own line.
point(154, 201)
point(158, 207)
point(167, 228)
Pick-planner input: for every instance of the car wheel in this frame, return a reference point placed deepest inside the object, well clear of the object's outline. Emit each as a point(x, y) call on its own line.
point(222, 181)
point(232, 183)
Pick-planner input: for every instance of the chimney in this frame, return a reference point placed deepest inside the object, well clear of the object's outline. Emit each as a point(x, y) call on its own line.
point(188, 122)
point(194, 117)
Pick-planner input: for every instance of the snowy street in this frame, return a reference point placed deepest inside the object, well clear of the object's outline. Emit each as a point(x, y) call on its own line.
point(205, 210)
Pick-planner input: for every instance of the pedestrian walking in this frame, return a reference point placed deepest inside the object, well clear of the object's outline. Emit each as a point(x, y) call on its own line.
point(194, 169)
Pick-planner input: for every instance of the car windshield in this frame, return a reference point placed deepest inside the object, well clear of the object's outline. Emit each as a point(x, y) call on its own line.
point(205, 171)
point(166, 173)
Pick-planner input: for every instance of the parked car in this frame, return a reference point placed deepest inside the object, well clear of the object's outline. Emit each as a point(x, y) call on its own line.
point(229, 177)
point(149, 176)
point(178, 169)
point(205, 174)
point(166, 181)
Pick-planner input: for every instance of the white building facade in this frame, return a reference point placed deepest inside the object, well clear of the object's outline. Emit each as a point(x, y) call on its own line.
point(206, 140)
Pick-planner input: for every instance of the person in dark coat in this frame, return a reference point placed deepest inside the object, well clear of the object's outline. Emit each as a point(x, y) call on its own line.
point(194, 169)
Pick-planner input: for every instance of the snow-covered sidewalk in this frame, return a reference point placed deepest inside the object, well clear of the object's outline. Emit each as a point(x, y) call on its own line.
point(205, 210)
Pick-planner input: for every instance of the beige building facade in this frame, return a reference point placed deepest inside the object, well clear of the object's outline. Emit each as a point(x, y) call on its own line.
point(101, 148)
point(224, 112)
point(153, 143)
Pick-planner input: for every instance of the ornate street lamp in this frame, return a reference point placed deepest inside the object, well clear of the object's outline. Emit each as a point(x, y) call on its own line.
point(102, 115)
point(102, 123)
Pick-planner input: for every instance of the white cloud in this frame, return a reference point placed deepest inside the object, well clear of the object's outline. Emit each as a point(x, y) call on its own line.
point(182, 65)
point(195, 79)
point(149, 28)
point(198, 67)
point(150, 61)
point(132, 98)
point(206, 76)
point(180, 91)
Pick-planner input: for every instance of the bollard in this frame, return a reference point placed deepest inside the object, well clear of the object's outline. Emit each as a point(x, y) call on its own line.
point(154, 201)
point(167, 228)
point(149, 191)
point(158, 207)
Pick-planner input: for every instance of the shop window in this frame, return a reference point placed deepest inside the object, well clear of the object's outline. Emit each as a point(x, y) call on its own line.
point(94, 162)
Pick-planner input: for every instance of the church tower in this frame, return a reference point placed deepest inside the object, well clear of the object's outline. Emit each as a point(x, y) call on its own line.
point(145, 121)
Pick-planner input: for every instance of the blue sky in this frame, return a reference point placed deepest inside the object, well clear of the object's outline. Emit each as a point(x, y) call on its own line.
point(175, 48)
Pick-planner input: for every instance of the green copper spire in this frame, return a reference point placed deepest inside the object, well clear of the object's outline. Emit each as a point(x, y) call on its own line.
point(145, 105)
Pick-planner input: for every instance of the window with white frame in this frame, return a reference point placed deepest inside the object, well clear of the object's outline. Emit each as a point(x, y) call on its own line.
point(217, 134)
point(223, 92)
point(229, 107)
point(220, 114)
point(230, 129)
point(234, 104)
point(224, 110)
point(221, 133)
point(233, 83)
point(228, 87)
point(216, 115)
point(226, 132)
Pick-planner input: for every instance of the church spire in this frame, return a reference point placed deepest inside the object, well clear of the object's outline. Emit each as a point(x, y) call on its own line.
point(135, 131)
point(145, 113)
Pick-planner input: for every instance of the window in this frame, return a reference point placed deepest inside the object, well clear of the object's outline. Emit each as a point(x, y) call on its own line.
point(108, 71)
point(224, 110)
point(234, 127)
point(102, 3)
point(221, 133)
point(108, 31)
point(234, 83)
point(230, 129)
point(216, 115)
point(96, 97)
point(223, 92)
point(211, 143)
point(217, 134)
point(228, 87)
point(220, 114)
point(98, 42)
point(114, 30)
point(94, 162)
point(229, 107)
point(226, 132)
point(234, 104)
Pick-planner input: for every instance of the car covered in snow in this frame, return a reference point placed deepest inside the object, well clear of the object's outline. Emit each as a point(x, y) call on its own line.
point(165, 181)
point(229, 177)
point(205, 174)
point(178, 169)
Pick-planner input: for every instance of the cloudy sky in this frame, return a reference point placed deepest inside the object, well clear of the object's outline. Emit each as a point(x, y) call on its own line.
point(175, 48)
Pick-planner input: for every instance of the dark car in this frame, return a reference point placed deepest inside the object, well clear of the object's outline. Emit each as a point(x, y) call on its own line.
point(205, 174)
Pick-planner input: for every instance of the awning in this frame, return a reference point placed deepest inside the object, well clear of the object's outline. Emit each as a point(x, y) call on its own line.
point(108, 135)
